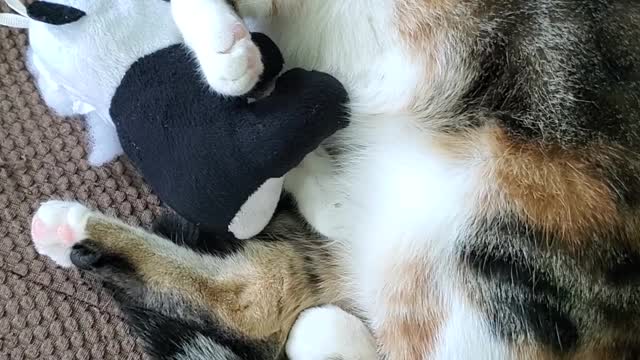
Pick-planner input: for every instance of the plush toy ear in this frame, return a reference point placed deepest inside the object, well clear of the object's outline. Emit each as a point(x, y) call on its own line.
point(54, 14)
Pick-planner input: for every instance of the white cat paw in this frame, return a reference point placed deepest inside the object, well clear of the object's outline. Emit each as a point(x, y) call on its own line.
point(318, 197)
point(235, 72)
point(56, 227)
point(329, 332)
point(229, 60)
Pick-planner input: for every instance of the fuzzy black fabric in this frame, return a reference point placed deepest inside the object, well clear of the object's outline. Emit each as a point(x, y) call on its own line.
point(54, 14)
point(204, 154)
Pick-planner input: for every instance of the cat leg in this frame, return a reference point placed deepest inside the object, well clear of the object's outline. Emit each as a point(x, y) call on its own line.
point(229, 60)
point(328, 332)
point(243, 302)
point(322, 333)
point(314, 187)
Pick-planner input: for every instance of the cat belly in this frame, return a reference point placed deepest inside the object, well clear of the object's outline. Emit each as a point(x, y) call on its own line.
point(399, 207)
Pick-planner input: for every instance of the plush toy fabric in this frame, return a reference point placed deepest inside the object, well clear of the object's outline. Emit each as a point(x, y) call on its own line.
point(217, 160)
point(206, 154)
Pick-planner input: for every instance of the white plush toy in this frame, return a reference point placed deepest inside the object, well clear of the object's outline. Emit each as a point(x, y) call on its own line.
point(68, 62)
point(217, 160)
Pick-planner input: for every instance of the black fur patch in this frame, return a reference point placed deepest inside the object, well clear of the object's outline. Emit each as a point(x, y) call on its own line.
point(167, 336)
point(618, 315)
point(88, 255)
point(311, 273)
point(542, 86)
point(624, 182)
point(183, 233)
point(546, 322)
point(626, 271)
point(286, 204)
point(163, 336)
point(504, 268)
point(520, 299)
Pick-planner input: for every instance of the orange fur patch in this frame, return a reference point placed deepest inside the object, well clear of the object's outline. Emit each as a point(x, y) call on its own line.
point(419, 22)
point(435, 35)
point(556, 189)
point(526, 352)
point(551, 187)
point(413, 318)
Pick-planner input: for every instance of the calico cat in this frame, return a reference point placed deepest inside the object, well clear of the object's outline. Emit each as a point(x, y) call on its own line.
point(483, 203)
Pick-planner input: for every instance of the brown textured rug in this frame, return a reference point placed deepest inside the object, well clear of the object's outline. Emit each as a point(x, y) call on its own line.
point(47, 312)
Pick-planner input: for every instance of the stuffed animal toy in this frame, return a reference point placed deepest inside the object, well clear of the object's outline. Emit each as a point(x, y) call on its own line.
point(217, 160)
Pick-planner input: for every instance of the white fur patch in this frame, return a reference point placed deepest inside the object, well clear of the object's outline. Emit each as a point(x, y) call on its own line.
point(328, 332)
point(467, 336)
point(230, 62)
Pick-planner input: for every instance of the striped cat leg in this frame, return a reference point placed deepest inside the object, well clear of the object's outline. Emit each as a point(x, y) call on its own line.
point(236, 305)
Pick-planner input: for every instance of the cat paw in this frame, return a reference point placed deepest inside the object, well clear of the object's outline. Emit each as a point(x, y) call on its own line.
point(329, 332)
point(235, 72)
point(56, 227)
point(229, 60)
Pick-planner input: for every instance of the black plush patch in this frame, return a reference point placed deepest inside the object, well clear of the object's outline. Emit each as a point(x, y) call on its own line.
point(54, 14)
point(205, 154)
point(272, 60)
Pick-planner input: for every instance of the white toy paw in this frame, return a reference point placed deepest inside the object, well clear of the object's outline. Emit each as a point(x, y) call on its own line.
point(54, 95)
point(56, 227)
point(329, 332)
point(104, 142)
point(229, 60)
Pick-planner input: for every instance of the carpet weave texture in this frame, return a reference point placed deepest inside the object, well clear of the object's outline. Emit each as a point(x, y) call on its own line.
point(47, 312)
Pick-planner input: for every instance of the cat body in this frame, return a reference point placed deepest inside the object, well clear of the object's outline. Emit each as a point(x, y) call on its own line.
point(481, 204)
point(484, 191)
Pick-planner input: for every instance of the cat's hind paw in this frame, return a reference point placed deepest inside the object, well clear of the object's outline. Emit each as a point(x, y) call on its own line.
point(56, 227)
point(328, 332)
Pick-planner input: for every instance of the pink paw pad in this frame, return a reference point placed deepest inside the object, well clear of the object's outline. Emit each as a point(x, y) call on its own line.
point(238, 32)
point(66, 234)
